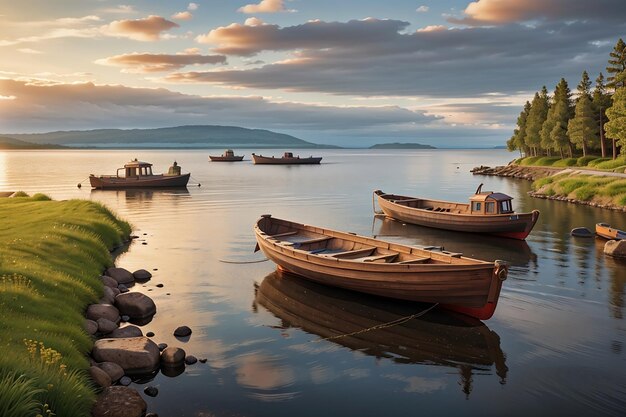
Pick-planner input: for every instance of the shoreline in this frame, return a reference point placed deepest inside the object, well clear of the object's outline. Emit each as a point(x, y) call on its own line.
point(546, 179)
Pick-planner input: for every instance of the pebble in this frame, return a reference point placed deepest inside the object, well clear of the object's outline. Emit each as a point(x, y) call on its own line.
point(190, 359)
point(123, 288)
point(159, 285)
point(150, 334)
point(151, 391)
point(203, 360)
point(125, 318)
point(144, 243)
point(125, 381)
point(162, 346)
point(182, 331)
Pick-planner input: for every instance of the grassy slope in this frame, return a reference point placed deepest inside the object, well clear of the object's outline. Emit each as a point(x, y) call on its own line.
point(51, 254)
point(598, 189)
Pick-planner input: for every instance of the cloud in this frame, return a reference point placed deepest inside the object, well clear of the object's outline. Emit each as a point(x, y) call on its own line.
point(41, 106)
point(121, 9)
point(375, 57)
point(422, 9)
point(192, 6)
point(182, 16)
point(29, 51)
point(499, 12)
point(147, 62)
point(41, 30)
point(265, 6)
point(146, 29)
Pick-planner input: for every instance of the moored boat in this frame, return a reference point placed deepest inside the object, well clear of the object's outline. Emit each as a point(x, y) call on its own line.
point(606, 231)
point(377, 267)
point(286, 159)
point(227, 156)
point(138, 174)
point(487, 212)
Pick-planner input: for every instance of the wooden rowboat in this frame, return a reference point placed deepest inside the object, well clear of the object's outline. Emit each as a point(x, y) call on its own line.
point(606, 231)
point(286, 159)
point(435, 339)
point(138, 174)
point(373, 266)
point(227, 156)
point(487, 212)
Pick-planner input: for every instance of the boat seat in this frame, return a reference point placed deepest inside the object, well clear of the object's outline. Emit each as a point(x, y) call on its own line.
point(284, 234)
point(299, 243)
point(386, 258)
point(453, 254)
point(350, 253)
point(414, 261)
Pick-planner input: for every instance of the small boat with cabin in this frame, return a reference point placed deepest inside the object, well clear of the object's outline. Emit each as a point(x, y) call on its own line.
point(286, 159)
point(487, 212)
point(381, 268)
point(138, 174)
point(227, 156)
point(606, 231)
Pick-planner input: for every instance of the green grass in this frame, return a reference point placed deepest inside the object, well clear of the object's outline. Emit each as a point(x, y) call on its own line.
point(597, 161)
point(583, 161)
point(584, 187)
point(612, 163)
point(567, 162)
point(546, 161)
point(51, 254)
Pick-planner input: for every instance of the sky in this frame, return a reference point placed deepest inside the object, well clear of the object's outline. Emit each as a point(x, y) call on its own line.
point(449, 73)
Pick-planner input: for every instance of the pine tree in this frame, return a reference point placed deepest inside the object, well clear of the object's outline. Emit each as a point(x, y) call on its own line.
point(517, 141)
point(558, 135)
point(561, 96)
point(616, 126)
point(601, 101)
point(536, 117)
point(582, 128)
point(617, 64)
point(584, 86)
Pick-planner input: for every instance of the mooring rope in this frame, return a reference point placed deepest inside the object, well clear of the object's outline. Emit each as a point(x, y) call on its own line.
point(392, 323)
point(243, 262)
point(80, 184)
point(199, 185)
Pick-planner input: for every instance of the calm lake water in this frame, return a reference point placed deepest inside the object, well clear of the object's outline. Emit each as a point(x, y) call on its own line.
point(555, 346)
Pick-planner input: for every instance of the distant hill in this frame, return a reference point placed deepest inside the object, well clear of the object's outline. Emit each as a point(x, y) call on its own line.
point(12, 143)
point(499, 147)
point(170, 137)
point(397, 145)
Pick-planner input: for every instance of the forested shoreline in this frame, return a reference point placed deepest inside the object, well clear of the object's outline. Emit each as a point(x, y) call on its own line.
point(591, 123)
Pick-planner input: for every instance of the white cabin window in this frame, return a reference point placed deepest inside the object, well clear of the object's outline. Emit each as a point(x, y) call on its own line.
point(490, 207)
point(506, 207)
point(476, 206)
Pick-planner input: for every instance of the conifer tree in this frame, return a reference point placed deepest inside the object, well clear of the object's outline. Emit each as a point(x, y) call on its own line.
point(582, 128)
point(617, 64)
point(536, 117)
point(558, 112)
point(558, 135)
point(616, 126)
point(517, 141)
point(601, 101)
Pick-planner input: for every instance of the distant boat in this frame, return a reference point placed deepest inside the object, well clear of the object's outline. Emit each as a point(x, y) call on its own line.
point(606, 231)
point(376, 267)
point(227, 156)
point(487, 212)
point(138, 174)
point(286, 159)
point(436, 338)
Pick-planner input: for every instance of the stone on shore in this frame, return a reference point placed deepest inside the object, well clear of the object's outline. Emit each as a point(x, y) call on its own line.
point(581, 232)
point(182, 331)
point(119, 401)
point(121, 275)
point(106, 326)
point(136, 305)
point(103, 311)
point(151, 391)
point(113, 370)
point(142, 275)
point(101, 378)
point(136, 355)
point(108, 281)
point(109, 295)
point(615, 248)
point(190, 360)
point(126, 331)
point(90, 326)
point(172, 356)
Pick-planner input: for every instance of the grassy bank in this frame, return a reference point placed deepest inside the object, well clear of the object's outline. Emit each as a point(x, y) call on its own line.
point(592, 162)
point(601, 190)
point(51, 254)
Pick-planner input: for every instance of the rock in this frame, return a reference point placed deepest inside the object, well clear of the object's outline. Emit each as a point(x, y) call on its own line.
point(151, 391)
point(101, 378)
point(125, 318)
point(119, 402)
point(125, 381)
point(136, 305)
point(190, 360)
point(126, 331)
point(172, 356)
point(123, 288)
point(159, 285)
point(116, 291)
point(615, 248)
point(144, 243)
point(173, 370)
point(581, 232)
point(203, 360)
point(108, 281)
point(108, 295)
point(104, 311)
point(182, 331)
point(162, 346)
point(106, 326)
point(150, 334)
point(90, 326)
point(142, 275)
point(121, 275)
point(113, 370)
point(136, 355)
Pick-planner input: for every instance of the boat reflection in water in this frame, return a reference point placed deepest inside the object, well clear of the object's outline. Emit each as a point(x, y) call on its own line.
point(488, 248)
point(140, 195)
point(436, 338)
